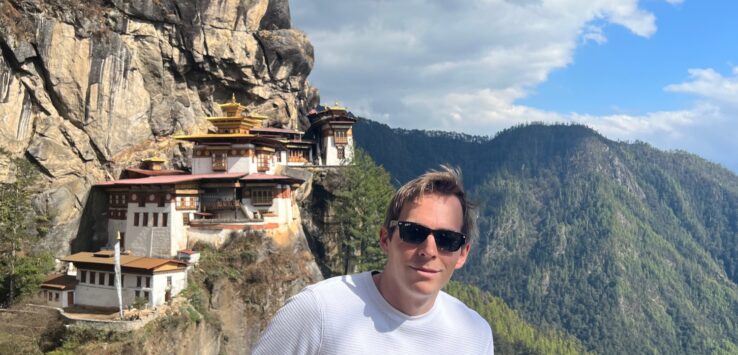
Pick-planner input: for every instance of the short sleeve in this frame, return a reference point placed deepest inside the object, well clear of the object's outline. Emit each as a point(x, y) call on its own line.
point(295, 329)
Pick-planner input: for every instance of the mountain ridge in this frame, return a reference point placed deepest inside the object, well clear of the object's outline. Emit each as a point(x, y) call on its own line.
point(577, 229)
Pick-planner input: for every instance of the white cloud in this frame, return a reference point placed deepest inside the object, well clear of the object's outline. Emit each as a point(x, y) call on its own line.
point(710, 85)
point(593, 33)
point(465, 65)
point(382, 55)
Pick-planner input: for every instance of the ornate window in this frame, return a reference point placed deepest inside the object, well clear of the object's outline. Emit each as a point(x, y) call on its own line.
point(341, 136)
point(297, 155)
point(340, 152)
point(263, 163)
point(262, 197)
point(219, 161)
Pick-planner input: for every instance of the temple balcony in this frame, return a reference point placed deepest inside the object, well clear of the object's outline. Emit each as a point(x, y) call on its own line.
point(220, 205)
point(219, 166)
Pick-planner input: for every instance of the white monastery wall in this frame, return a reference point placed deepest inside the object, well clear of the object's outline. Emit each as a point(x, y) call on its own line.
point(150, 240)
point(202, 165)
point(179, 232)
point(94, 294)
point(331, 153)
point(159, 286)
point(59, 298)
point(104, 295)
point(239, 164)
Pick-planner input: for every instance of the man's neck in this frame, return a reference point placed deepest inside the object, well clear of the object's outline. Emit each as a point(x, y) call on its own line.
point(412, 305)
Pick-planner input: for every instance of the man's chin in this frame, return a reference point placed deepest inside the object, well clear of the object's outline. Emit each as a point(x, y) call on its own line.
point(426, 287)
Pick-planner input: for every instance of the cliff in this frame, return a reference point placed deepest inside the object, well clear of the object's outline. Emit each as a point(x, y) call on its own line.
point(89, 88)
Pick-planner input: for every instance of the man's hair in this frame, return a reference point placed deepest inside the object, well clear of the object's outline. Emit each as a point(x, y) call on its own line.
point(446, 182)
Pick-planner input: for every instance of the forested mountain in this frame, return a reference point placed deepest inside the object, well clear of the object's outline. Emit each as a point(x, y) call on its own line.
point(628, 248)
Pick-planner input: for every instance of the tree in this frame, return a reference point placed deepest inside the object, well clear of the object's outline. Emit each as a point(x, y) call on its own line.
point(20, 227)
point(362, 197)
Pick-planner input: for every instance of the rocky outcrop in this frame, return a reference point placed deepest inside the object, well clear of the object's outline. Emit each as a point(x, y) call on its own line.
point(316, 199)
point(88, 88)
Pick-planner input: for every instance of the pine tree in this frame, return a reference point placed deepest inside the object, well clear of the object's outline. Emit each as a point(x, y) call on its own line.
point(20, 228)
point(362, 198)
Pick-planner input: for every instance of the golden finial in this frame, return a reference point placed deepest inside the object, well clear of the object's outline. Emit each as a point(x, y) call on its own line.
point(233, 98)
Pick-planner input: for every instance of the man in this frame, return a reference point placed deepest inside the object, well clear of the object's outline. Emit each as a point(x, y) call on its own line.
point(426, 235)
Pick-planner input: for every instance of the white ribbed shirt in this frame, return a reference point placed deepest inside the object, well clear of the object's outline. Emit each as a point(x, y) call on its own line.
point(348, 315)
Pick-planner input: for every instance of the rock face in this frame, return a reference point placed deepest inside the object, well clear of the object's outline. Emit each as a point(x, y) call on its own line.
point(88, 88)
point(317, 209)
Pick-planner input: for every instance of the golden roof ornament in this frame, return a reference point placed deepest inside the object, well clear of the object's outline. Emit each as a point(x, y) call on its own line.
point(337, 107)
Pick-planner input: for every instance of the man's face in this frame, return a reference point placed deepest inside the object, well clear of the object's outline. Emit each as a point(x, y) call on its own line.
point(422, 270)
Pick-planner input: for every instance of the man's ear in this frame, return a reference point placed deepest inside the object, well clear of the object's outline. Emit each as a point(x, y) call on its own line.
point(462, 256)
point(384, 239)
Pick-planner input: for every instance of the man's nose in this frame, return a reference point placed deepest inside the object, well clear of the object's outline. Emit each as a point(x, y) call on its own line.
point(428, 247)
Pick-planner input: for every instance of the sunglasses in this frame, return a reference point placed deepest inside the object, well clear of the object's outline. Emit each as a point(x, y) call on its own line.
point(414, 233)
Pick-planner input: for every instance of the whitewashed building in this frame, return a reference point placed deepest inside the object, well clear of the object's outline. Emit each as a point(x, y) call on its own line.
point(57, 290)
point(150, 281)
point(235, 182)
point(333, 124)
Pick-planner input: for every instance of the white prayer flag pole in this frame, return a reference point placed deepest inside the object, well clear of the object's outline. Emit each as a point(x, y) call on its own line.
point(118, 285)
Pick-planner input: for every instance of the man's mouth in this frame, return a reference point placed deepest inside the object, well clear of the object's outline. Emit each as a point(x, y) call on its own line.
point(425, 270)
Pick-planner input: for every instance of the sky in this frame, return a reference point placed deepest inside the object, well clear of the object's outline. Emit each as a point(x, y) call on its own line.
point(660, 71)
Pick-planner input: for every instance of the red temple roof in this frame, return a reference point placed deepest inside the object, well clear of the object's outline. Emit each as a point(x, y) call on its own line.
point(266, 177)
point(171, 179)
point(275, 130)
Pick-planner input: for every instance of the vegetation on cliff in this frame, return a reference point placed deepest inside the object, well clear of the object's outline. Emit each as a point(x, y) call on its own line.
point(628, 248)
point(362, 195)
point(21, 267)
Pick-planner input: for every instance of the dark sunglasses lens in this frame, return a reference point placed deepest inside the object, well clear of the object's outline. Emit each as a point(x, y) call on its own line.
point(449, 241)
point(413, 233)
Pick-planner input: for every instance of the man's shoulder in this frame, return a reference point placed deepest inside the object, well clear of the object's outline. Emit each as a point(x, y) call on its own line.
point(339, 288)
point(333, 284)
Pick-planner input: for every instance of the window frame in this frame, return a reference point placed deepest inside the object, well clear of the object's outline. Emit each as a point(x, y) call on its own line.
point(259, 196)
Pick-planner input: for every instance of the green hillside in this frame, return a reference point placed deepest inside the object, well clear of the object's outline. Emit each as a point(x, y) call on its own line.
point(628, 248)
point(513, 335)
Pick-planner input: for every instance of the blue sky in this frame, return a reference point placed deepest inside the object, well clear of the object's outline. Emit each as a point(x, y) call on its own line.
point(628, 73)
point(660, 71)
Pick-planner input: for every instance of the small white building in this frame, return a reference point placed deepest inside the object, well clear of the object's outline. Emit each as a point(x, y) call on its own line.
point(189, 256)
point(151, 281)
point(58, 290)
point(333, 125)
